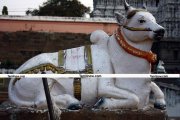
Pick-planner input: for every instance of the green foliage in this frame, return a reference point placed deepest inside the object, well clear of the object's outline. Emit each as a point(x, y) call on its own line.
point(68, 8)
point(5, 10)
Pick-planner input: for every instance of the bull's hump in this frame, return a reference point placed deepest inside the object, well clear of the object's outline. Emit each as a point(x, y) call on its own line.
point(99, 37)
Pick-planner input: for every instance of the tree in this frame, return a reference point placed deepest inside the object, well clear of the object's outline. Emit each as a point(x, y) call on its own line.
point(68, 8)
point(5, 10)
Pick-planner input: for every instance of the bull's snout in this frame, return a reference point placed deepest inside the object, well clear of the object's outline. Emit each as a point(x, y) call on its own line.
point(159, 34)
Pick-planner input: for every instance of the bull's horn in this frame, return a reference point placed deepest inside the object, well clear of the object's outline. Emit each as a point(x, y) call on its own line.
point(126, 5)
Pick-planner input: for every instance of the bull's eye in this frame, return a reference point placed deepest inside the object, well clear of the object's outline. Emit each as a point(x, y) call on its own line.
point(142, 21)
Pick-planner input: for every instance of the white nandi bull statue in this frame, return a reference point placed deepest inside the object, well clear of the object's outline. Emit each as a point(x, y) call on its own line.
point(126, 51)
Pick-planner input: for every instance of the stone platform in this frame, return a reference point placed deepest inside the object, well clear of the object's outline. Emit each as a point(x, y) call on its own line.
point(84, 114)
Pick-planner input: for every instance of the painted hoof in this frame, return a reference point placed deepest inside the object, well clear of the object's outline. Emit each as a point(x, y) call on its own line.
point(99, 103)
point(74, 106)
point(160, 106)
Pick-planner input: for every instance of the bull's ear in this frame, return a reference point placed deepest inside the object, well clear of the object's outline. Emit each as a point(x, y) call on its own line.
point(121, 20)
point(127, 7)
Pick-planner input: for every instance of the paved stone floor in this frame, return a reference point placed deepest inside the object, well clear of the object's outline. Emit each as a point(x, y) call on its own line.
point(9, 111)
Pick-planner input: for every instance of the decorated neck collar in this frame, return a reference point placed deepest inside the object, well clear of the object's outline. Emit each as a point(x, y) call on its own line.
point(149, 56)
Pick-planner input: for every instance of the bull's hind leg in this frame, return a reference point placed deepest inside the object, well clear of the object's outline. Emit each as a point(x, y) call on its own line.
point(61, 97)
point(62, 101)
point(58, 96)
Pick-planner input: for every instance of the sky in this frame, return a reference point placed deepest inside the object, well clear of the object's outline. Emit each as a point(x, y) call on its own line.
point(18, 7)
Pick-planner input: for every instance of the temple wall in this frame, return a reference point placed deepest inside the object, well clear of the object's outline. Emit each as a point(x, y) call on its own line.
point(56, 24)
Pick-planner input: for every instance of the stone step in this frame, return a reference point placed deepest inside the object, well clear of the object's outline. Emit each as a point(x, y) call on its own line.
point(87, 114)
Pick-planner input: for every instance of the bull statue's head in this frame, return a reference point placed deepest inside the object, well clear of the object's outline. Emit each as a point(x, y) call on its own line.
point(139, 24)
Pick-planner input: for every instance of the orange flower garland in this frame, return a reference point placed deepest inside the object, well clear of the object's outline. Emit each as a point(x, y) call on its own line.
point(149, 56)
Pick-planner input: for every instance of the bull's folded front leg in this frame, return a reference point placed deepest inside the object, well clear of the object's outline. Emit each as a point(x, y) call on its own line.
point(159, 97)
point(113, 97)
point(67, 101)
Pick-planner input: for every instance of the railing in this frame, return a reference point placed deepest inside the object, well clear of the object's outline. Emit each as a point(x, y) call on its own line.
point(169, 86)
point(6, 71)
point(4, 93)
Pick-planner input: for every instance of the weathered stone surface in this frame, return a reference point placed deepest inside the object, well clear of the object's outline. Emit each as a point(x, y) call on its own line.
point(152, 114)
point(22, 115)
point(85, 114)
